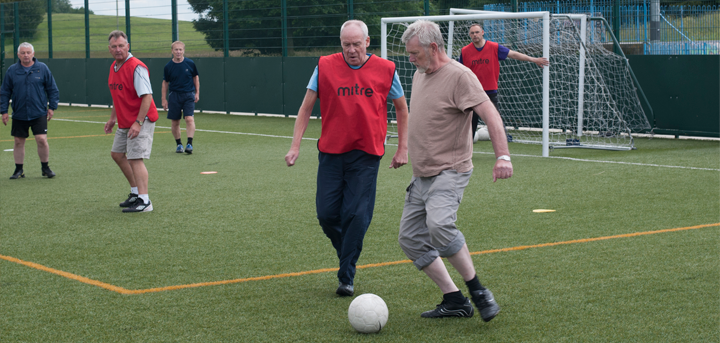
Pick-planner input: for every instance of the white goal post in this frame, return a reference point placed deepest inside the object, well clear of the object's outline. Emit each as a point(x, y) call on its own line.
point(584, 99)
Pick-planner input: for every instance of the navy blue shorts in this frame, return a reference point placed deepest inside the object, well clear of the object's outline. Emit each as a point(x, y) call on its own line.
point(184, 102)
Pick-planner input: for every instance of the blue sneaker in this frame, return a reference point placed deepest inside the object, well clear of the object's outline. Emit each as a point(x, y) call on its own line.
point(188, 149)
point(179, 149)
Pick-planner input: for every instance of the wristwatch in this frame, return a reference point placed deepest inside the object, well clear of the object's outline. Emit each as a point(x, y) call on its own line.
point(139, 122)
point(504, 157)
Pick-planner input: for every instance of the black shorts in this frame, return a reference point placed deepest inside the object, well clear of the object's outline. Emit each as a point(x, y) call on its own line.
point(20, 128)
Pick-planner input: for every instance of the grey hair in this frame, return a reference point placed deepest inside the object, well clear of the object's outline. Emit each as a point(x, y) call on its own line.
point(358, 23)
point(117, 34)
point(476, 24)
point(427, 32)
point(26, 45)
point(177, 42)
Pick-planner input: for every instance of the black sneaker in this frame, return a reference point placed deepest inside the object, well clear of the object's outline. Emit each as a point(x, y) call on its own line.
point(345, 290)
point(47, 172)
point(17, 174)
point(139, 206)
point(447, 309)
point(132, 198)
point(485, 303)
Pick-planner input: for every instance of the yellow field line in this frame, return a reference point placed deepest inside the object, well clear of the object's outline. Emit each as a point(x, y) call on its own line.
point(103, 135)
point(318, 271)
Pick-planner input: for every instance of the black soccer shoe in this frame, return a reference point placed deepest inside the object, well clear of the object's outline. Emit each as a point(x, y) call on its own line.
point(47, 172)
point(17, 174)
point(447, 309)
point(485, 303)
point(132, 198)
point(345, 290)
point(139, 206)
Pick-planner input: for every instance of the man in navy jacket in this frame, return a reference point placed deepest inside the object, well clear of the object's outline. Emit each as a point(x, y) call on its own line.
point(31, 86)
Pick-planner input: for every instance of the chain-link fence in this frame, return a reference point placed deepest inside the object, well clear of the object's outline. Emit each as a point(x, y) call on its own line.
point(311, 27)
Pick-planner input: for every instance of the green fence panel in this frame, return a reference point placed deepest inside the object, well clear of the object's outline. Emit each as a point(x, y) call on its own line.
point(70, 78)
point(97, 70)
point(683, 90)
point(212, 84)
point(296, 74)
point(254, 84)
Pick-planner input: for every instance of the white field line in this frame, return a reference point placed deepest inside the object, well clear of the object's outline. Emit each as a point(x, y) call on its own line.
point(475, 152)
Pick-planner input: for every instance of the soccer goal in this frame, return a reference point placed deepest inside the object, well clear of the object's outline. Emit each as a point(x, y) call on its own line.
point(584, 99)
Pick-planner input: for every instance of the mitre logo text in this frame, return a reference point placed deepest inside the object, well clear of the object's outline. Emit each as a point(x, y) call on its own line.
point(357, 90)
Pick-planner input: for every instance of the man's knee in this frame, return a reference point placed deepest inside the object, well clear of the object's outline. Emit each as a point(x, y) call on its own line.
point(41, 141)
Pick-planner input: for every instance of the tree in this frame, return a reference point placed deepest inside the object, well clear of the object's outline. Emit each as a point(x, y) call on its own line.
point(31, 15)
point(61, 6)
point(312, 24)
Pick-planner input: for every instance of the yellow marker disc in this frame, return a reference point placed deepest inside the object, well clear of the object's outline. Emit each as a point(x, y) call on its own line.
point(209, 172)
point(543, 211)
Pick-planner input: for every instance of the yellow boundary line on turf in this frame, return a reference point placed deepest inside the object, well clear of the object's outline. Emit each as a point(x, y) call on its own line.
point(318, 271)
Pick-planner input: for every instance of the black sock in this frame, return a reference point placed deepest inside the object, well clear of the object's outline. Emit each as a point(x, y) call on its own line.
point(178, 141)
point(190, 140)
point(454, 297)
point(474, 284)
point(44, 164)
point(18, 167)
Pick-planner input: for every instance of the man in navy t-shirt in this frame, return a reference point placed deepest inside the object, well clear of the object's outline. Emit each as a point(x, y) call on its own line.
point(181, 77)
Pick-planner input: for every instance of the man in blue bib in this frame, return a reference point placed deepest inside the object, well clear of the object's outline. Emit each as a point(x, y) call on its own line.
point(181, 77)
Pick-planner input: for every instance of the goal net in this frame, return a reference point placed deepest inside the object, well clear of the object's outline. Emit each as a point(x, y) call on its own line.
point(584, 99)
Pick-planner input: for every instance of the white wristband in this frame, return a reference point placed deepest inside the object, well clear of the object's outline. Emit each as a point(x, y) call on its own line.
point(504, 157)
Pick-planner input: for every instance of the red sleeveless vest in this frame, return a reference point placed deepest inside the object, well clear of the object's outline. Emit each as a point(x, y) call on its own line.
point(483, 63)
point(353, 104)
point(125, 99)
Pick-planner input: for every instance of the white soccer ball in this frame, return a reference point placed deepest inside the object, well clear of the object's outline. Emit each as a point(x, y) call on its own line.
point(368, 313)
point(481, 134)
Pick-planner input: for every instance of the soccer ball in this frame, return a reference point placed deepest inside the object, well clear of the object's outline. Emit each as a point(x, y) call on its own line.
point(481, 134)
point(368, 313)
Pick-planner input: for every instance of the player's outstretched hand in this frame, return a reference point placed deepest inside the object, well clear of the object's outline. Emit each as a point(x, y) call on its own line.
point(502, 170)
point(109, 126)
point(541, 61)
point(291, 157)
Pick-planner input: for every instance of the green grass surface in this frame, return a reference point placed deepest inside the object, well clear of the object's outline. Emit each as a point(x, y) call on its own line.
point(256, 217)
point(149, 37)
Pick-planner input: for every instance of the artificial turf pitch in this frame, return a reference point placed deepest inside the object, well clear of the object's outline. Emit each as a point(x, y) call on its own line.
point(239, 256)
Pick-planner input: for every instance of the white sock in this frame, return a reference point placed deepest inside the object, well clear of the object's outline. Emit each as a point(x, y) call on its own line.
point(133, 190)
point(145, 198)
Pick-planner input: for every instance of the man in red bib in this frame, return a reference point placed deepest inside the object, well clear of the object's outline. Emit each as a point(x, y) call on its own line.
point(135, 113)
point(483, 58)
point(353, 88)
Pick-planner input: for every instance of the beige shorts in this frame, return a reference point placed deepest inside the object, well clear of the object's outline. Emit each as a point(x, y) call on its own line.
point(138, 147)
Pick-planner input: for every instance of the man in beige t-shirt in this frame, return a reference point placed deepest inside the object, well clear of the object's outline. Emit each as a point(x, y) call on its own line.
point(444, 95)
